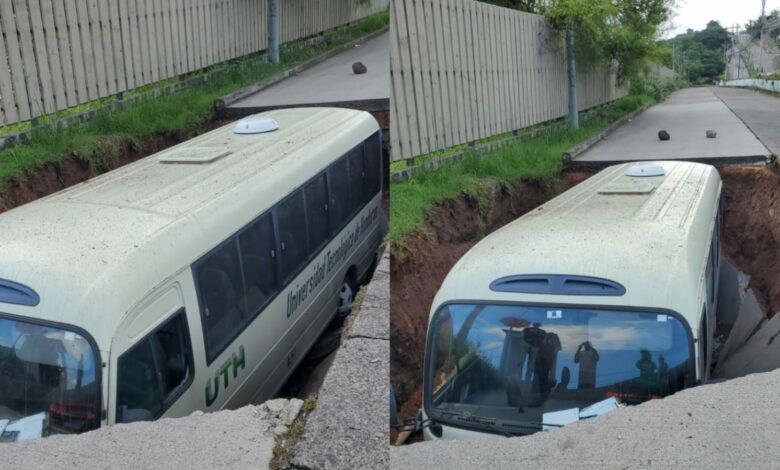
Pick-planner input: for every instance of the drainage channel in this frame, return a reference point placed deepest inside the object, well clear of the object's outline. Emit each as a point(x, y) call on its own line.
point(749, 294)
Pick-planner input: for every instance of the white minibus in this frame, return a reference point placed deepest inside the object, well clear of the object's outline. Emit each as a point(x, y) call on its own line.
point(606, 293)
point(194, 279)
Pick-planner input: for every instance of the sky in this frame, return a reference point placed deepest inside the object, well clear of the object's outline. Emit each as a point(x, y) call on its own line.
point(695, 14)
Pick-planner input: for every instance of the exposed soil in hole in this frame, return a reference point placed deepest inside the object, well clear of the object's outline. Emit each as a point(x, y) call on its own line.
point(751, 237)
point(751, 229)
point(113, 152)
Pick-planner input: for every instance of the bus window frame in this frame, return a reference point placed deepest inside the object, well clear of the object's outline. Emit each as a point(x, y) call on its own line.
point(182, 388)
point(100, 414)
point(428, 399)
point(212, 356)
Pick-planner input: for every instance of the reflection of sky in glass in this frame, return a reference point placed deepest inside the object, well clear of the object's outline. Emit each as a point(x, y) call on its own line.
point(617, 336)
point(77, 351)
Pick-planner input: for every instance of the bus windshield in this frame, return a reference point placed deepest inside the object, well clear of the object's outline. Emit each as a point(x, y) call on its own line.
point(514, 363)
point(48, 381)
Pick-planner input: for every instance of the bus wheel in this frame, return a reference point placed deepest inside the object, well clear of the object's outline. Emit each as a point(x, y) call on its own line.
point(346, 296)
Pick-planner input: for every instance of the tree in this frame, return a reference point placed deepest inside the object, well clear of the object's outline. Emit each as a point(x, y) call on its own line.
point(620, 33)
point(702, 51)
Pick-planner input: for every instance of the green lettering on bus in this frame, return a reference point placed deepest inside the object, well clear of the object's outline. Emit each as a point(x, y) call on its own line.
point(236, 361)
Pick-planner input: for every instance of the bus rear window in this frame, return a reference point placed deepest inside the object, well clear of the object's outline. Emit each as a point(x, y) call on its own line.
point(48, 381)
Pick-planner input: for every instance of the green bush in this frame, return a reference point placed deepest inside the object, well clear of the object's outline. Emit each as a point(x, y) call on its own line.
point(654, 85)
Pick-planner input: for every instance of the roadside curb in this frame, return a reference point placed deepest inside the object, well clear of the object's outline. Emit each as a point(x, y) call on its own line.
point(581, 148)
point(349, 427)
point(223, 102)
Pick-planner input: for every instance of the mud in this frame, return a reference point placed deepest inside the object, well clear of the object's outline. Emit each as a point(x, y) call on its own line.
point(751, 228)
point(751, 233)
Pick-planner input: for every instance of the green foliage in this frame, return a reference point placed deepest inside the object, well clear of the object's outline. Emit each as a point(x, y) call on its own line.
point(620, 32)
point(700, 53)
point(539, 157)
point(654, 86)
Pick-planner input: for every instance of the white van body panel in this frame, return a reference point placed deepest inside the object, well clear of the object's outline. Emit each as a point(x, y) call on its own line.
point(114, 255)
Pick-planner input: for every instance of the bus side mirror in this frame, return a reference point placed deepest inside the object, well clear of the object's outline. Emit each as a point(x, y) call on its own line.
point(134, 415)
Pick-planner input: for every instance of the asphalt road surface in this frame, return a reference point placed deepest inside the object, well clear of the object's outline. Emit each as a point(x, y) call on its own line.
point(686, 115)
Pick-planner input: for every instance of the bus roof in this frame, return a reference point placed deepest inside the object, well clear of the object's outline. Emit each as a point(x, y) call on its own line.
point(649, 234)
point(94, 250)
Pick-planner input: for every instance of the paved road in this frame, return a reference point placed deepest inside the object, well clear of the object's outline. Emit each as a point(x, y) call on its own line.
point(687, 114)
point(332, 80)
point(759, 111)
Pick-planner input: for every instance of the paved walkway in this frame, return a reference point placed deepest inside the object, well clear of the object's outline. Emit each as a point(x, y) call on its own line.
point(332, 81)
point(686, 115)
point(759, 111)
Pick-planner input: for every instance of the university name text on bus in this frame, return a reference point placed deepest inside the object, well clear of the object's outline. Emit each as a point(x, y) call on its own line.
point(330, 261)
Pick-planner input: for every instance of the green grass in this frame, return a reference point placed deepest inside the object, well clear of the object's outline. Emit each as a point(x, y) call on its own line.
point(184, 111)
point(411, 200)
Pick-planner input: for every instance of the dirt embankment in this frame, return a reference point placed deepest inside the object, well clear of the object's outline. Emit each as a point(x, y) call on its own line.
point(113, 152)
point(419, 267)
point(751, 228)
point(751, 238)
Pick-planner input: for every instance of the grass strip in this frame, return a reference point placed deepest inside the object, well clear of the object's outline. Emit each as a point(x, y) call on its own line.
point(411, 200)
point(175, 112)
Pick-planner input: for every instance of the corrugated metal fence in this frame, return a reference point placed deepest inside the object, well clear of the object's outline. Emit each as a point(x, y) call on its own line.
point(464, 70)
point(55, 54)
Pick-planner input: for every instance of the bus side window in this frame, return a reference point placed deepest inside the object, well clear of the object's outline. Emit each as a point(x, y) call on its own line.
point(316, 193)
point(356, 175)
point(291, 218)
point(258, 256)
point(373, 167)
point(154, 372)
point(221, 293)
point(340, 205)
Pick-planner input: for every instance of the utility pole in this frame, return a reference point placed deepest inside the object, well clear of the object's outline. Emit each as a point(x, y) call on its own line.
point(574, 118)
point(761, 37)
point(273, 31)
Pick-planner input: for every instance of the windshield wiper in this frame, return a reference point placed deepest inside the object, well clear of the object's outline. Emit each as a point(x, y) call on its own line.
point(492, 423)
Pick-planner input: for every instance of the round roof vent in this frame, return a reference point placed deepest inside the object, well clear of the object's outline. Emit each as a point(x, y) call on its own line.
point(646, 169)
point(255, 125)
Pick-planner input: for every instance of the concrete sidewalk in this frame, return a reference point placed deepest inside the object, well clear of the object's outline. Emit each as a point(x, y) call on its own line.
point(332, 81)
point(733, 424)
point(686, 115)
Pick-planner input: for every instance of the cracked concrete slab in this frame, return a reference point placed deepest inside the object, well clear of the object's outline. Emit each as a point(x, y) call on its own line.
point(373, 320)
point(733, 424)
point(349, 426)
point(243, 438)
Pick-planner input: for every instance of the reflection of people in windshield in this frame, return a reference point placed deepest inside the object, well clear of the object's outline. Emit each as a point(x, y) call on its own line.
point(545, 361)
point(663, 374)
point(646, 366)
point(587, 357)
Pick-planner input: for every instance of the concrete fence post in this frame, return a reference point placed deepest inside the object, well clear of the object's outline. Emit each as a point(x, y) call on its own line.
point(574, 118)
point(273, 31)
